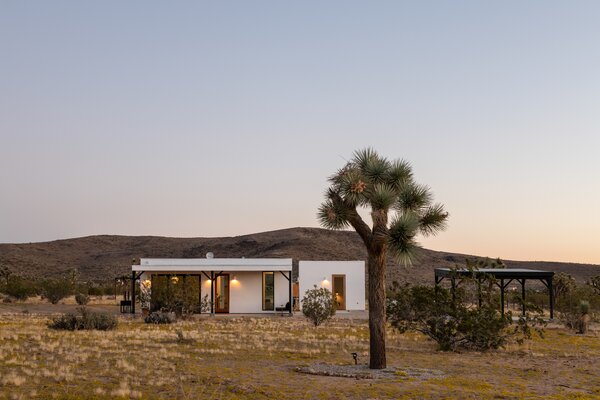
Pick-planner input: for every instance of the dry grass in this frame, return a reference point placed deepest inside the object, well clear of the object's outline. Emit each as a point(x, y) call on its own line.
point(254, 358)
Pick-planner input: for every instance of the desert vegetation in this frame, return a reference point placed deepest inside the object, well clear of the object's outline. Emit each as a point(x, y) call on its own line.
point(256, 358)
point(318, 305)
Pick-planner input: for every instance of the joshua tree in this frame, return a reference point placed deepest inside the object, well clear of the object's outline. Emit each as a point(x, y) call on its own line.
point(388, 189)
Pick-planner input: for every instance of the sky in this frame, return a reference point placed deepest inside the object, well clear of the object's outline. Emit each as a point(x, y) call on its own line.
point(197, 118)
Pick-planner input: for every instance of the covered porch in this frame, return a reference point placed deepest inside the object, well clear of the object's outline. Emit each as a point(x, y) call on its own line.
point(228, 285)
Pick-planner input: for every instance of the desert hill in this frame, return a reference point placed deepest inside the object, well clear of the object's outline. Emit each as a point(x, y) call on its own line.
point(103, 257)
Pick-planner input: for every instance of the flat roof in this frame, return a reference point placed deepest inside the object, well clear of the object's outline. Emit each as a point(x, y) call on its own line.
point(496, 272)
point(212, 264)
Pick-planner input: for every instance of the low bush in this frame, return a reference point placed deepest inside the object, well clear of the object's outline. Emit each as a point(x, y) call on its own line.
point(18, 288)
point(56, 289)
point(159, 317)
point(86, 320)
point(82, 299)
point(452, 322)
point(318, 305)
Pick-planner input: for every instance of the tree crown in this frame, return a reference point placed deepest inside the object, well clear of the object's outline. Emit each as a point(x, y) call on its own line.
point(386, 187)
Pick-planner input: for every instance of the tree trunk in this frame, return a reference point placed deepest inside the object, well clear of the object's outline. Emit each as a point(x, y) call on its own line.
point(376, 267)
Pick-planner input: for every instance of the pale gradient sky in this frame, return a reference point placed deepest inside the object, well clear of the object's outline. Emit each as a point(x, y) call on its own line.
point(225, 118)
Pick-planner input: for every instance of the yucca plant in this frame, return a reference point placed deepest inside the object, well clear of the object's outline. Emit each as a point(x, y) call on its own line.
point(401, 209)
point(584, 318)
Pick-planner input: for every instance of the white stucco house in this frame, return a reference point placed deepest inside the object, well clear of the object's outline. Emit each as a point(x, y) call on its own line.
point(256, 285)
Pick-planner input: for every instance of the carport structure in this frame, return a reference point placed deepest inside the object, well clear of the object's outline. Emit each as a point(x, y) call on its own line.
point(503, 278)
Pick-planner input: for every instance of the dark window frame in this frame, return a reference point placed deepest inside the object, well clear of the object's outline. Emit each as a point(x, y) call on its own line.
point(263, 291)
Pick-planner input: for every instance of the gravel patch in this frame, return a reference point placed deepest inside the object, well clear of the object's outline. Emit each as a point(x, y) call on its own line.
point(362, 371)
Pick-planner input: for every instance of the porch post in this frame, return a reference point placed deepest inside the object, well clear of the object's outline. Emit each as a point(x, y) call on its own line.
point(212, 293)
point(133, 292)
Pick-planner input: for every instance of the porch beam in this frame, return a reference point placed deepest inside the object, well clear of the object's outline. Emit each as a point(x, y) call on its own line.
point(285, 276)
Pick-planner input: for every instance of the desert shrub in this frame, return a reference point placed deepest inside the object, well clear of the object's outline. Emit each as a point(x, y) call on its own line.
point(86, 320)
point(56, 289)
point(18, 288)
point(159, 317)
point(594, 283)
point(453, 323)
point(94, 290)
point(569, 306)
point(318, 305)
point(82, 299)
point(65, 322)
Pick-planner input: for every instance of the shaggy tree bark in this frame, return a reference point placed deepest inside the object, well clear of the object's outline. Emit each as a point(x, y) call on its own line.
point(376, 266)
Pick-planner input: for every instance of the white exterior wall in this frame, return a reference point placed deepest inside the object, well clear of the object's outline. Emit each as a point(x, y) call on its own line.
point(245, 294)
point(312, 273)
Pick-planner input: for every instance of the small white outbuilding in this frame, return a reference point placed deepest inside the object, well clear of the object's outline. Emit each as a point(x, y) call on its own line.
point(345, 279)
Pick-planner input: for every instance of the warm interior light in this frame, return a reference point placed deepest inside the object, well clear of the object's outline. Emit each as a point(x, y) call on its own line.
point(174, 280)
point(147, 283)
point(234, 279)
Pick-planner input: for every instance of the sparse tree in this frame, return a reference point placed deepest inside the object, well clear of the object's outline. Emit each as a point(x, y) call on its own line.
point(563, 284)
point(400, 208)
point(5, 274)
point(594, 282)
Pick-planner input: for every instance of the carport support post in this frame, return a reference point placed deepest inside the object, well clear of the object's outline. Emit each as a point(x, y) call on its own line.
point(551, 294)
point(523, 294)
point(479, 291)
point(212, 293)
point(290, 293)
point(133, 292)
point(502, 295)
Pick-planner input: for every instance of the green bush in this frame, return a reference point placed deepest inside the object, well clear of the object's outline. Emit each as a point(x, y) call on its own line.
point(82, 299)
point(318, 305)
point(19, 288)
point(84, 321)
point(56, 289)
point(453, 323)
point(159, 318)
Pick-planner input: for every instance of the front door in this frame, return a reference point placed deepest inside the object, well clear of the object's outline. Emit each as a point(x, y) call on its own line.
point(339, 291)
point(222, 294)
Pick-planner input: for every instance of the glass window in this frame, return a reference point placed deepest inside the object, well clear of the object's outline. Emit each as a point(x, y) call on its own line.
point(268, 297)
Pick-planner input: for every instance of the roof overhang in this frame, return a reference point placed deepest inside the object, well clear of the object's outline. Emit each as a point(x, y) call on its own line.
point(212, 264)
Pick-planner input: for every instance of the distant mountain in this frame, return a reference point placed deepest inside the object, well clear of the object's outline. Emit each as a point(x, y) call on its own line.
point(103, 257)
